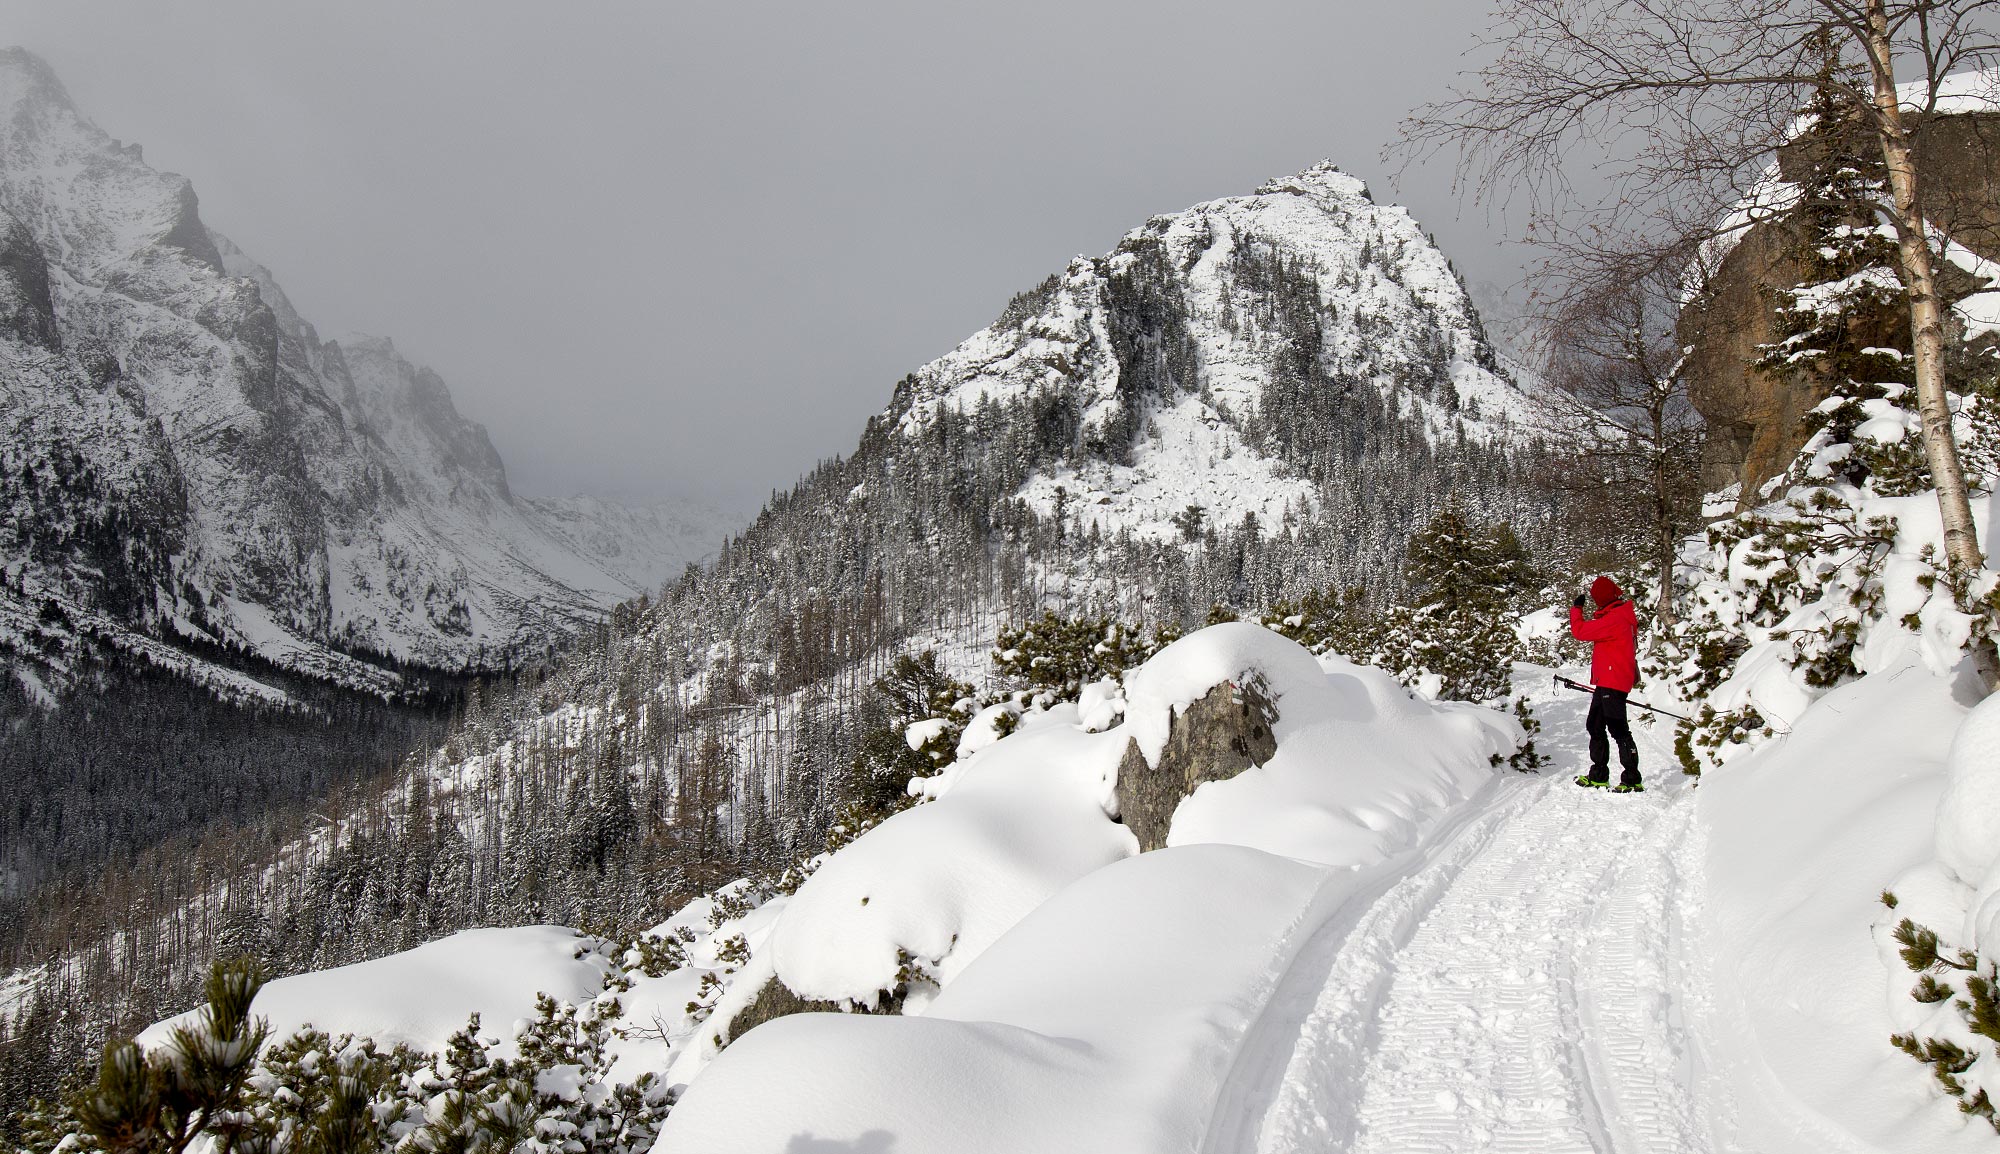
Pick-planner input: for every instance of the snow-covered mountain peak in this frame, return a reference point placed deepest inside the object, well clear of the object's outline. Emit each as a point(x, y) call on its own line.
point(76, 186)
point(27, 81)
point(1178, 365)
point(1322, 179)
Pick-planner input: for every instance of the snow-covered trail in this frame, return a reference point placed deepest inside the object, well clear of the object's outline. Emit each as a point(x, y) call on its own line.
point(1522, 988)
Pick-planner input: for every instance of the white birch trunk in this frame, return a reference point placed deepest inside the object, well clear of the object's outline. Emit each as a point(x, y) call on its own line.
point(1961, 533)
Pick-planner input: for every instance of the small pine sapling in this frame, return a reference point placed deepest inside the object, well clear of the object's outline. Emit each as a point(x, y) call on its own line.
point(165, 1100)
point(1526, 758)
point(1979, 1006)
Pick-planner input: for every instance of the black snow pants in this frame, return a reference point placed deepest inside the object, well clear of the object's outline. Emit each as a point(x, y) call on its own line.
point(1607, 720)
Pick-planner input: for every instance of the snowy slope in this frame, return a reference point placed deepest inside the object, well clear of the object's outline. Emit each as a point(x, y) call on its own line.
point(1545, 969)
point(1111, 989)
point(421, 997)
point(1115, 998)
point(643, 546)
point(1807, 981)
point(186, 458)
point(1463, 959)
point(1104, 1022)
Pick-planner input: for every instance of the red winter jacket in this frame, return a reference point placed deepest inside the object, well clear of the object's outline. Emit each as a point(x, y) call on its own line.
point(1614, 650)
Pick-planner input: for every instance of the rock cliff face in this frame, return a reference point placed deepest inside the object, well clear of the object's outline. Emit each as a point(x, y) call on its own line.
point(1754, 414)
point(27, 312)
point(186, 466)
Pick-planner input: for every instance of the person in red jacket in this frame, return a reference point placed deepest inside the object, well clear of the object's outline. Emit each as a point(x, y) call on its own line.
point(1614, 669)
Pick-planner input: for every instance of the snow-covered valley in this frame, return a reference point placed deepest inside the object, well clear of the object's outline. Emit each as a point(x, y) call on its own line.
point(1242, 401)
point(1161, 732)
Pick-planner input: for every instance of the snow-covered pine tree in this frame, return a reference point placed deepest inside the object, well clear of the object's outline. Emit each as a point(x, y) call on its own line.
point(1456, 638)
point(1058, 656)
point(475, 1105)
point(916, 691)
point(1963, 1026)
point(1339, 621)
point(577, 1108)
point(1844, 331)
point(311, 1092)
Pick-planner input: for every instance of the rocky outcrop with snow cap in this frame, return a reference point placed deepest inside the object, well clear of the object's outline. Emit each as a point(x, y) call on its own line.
point(1214, 738)
point(1192, 364)
point(1755, 414)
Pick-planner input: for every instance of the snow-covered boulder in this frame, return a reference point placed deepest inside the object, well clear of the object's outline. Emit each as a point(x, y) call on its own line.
point(1215, 737)
point(942, 881)
point(1360, 766)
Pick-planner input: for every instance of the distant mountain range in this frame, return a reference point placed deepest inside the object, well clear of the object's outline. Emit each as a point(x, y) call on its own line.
point(188, 471)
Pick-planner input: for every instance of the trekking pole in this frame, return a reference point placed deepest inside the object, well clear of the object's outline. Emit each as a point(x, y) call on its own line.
point(1561, 680)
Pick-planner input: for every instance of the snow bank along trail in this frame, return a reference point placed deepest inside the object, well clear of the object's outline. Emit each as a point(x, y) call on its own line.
point(1520, 991)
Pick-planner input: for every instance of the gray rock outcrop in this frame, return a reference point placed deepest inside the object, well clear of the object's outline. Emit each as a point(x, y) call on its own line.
point(1754, 414)
point(1224, 733)
point(27, 312)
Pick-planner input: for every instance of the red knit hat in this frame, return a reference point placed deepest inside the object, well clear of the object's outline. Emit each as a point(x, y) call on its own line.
point(1604, 591)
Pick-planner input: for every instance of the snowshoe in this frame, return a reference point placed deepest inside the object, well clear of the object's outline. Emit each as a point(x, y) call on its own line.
point(1635, 787)
point(1592, 783)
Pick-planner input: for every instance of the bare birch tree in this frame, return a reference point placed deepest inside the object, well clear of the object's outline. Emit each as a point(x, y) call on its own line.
point(1620, 410)
point(1690, 101)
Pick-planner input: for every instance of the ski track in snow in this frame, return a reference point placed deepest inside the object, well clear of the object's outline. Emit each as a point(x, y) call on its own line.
point(1525, 987)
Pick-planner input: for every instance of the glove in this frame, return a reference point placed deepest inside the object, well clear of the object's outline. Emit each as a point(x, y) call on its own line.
point(1582, 599)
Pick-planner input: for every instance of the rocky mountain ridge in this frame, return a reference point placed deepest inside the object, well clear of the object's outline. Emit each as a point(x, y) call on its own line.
point(1186, 365)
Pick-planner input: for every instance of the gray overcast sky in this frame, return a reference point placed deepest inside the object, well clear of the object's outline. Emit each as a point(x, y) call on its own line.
point(673, 248)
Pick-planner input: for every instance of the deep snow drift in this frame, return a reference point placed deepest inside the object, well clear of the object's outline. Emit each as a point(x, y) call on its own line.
point(1804, 835)
point(1361, 765)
